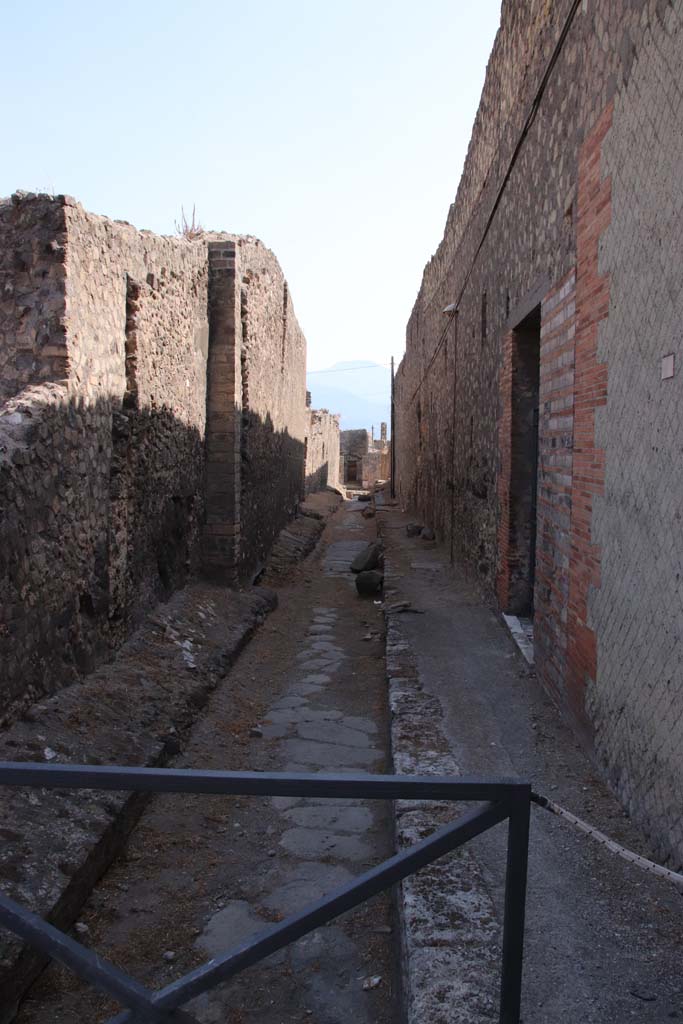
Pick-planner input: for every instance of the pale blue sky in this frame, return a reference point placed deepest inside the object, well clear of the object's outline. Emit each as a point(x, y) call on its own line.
point(335, 132)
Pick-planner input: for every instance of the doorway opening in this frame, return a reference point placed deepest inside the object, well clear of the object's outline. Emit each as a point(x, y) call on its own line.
point(526, 360)
point(351, 471)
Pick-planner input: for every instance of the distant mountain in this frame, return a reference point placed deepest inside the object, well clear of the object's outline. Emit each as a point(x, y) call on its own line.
point(359, 390)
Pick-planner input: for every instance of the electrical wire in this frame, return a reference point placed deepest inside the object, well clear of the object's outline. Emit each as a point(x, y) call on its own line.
point(352, 369)
point(444, 333)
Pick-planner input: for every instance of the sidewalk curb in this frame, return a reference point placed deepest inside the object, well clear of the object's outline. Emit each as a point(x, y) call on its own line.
point(448, 930)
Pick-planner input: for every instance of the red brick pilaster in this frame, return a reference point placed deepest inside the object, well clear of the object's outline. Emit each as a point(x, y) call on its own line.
point(221, 533)
point(590, 392)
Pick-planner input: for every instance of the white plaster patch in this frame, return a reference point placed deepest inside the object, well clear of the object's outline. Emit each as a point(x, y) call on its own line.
point(522, 632)
point(668, 366)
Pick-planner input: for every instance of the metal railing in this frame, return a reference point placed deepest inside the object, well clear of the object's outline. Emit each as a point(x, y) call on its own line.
point(504, 800)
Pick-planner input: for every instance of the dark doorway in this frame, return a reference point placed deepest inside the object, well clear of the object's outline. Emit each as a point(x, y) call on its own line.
point(351, 471)
point(526, 357)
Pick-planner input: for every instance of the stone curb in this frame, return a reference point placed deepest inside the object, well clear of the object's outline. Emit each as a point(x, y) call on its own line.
point(447, 925)
point(294, 543)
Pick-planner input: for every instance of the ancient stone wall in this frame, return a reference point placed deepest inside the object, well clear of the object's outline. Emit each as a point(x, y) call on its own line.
point(101, 467)
point(322, 450)
point(566, 254)
point(138, 332)
point(376, 465)
point(274, 420)
point(448, 398)
point(32, 299)
point(107, 487)
point(354, 442)
point(354, 445)
point(257, 415)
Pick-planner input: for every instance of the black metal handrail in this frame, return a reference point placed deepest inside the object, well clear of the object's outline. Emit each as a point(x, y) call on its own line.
point(504, 800)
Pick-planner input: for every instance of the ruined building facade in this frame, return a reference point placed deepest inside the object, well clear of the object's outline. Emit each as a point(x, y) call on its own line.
point(377, 462)
point(322, 449)
point(364, 459)
point(152, 426)
point(354, 446)
point(538, 405)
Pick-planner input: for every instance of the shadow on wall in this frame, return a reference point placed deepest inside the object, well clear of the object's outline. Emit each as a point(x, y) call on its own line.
point(272, 484)
point(318, 480)
point(100, 515)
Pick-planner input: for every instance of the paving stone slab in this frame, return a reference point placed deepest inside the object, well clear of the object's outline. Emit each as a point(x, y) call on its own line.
point(313, 843)
point(349, 818)
point(332, 732)
point(329, 756)
point(305, 884)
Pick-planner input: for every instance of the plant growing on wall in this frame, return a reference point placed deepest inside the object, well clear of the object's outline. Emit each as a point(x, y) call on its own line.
point(191, 230)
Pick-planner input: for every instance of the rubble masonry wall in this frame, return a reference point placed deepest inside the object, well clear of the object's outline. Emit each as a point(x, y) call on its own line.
point(100, 435)
point(322, 450)
point(105, 488)
point(274, 419)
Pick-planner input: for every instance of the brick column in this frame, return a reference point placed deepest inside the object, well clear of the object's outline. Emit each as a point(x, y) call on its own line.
point(590, 392)
point(221, 537)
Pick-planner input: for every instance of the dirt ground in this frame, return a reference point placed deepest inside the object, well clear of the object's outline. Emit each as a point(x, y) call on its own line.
point(201, 874)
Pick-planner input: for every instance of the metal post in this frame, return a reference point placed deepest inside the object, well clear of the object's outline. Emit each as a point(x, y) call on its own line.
point(393, 436)
point(515, 901)
point(454, 410)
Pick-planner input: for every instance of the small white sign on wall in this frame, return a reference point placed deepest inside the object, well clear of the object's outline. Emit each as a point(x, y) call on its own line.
point(667, 366)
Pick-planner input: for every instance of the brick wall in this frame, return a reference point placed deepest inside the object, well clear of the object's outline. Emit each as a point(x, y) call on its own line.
point(591, 204)
point(590, 392)
point(322, 450)
point(222, 525)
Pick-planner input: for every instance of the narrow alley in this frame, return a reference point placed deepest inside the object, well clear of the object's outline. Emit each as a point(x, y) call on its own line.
point(341, 583)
